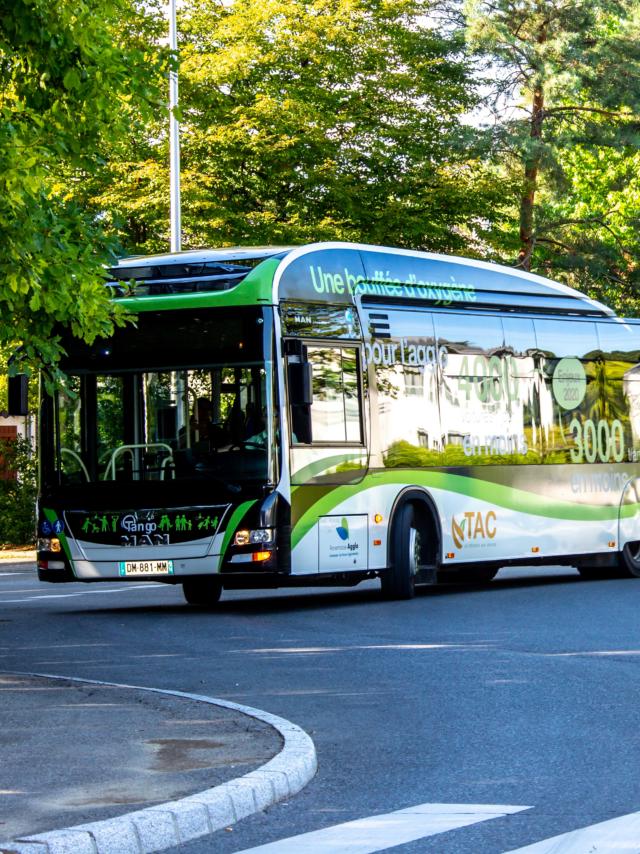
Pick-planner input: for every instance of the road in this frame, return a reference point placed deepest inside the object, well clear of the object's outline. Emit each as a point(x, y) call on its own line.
point(524, 692)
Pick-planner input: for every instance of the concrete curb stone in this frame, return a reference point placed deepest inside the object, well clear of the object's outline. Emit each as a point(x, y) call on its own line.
point(163, 826)
point(17, 555)
point(17, 560)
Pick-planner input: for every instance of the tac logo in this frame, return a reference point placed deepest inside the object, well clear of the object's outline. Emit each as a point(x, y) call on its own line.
point(343, 529)
point(473, 526)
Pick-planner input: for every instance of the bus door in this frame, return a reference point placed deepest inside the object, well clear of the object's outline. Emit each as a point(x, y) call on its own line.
point(328, 456)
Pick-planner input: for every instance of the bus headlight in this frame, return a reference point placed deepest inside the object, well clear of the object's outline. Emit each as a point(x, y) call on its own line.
point(259, 536)
point(49, 544)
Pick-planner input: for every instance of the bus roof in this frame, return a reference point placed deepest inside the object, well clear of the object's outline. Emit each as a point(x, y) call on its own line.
point(340, 273)
point(198, 256)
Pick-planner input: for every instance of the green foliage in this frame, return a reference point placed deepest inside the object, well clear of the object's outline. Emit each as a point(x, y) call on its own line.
point(588, 234)
point(308, 120)
point(304, 121)
point(565, 93)
point(17, 495)
point(69, 74)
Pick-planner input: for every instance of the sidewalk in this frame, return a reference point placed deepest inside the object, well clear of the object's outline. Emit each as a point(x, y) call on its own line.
point(73, 753)
point(103, 768)
point(15, 560)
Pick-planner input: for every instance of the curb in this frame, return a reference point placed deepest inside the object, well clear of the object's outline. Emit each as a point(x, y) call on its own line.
point(25, 556)
point(159, 827)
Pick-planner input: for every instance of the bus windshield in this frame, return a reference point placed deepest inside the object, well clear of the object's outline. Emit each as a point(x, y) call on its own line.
point(177, 397)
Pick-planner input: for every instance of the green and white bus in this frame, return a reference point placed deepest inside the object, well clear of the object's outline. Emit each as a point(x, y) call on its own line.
point(335, 412)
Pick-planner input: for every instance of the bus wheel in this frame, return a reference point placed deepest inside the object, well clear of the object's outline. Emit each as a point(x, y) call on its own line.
point(204, 592)
point(399, 581)
point(630, 558)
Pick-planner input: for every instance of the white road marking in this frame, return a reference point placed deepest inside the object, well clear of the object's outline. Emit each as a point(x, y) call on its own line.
point(379, 832)
point(595, 652)
point(37, 595)
point(37, 598)
point(608, 837)
point(308, 650)
point(26, 590)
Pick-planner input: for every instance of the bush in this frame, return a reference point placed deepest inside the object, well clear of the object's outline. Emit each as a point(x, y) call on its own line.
point(18, 488)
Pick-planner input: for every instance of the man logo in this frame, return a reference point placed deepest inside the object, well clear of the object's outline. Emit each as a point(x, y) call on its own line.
point(343, 530)
point(473, 526)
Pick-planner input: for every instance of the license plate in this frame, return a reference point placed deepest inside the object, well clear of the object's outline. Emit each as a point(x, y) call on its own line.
point(145, 567)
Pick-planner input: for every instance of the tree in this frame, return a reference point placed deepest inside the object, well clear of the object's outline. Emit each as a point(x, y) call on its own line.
point(567, 95)
point(590, 227)
point(18, 489)
point(74, 76)
point(331, 119)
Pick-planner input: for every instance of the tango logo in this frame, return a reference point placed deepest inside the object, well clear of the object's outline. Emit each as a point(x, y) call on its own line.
point(132, 524)
point(473, 525)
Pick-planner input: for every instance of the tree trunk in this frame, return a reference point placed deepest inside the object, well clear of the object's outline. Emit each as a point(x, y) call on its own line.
point(531, 168)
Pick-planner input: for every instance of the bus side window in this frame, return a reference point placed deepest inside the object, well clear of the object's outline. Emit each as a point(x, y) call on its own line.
point(336, 409)
point(620, 405)
point(521, 384)
point(571, 397)
point(474, 401)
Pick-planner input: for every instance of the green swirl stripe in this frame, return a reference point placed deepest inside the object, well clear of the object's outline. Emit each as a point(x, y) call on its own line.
point(326, 465)
point(232, 524)
point(500, 495)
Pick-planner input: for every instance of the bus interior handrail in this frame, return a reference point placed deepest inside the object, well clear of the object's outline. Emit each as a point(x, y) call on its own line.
point(146, 446)
point(76, 456)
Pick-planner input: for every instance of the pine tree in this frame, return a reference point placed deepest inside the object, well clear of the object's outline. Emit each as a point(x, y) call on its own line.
point(566, 100)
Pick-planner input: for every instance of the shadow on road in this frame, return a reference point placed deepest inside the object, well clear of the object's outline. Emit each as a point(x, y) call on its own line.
point(285, 600)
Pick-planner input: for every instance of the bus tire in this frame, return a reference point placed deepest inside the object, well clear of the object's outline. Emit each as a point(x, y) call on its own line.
point(629, 560)
point(399, 580)
point(203, 592)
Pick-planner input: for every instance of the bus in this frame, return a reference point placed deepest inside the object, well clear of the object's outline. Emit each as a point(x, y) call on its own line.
point(335, 412)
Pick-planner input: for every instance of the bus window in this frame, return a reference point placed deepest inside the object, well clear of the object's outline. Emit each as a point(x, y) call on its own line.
point(567, 338)
point(569, 394)
point(623, 400)
point(475, 398)
point(69, 433)
point(522, 384)
point(619, 382)
point(336, 410)
point(619, 340)
point(402, 368)
point(130, 415)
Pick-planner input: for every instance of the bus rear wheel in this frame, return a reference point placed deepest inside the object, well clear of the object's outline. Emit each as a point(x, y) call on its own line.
point(203, 592)
point(629, 559)
point(399, 580)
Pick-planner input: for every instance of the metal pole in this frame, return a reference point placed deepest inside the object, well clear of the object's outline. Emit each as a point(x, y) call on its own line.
point(174, 136)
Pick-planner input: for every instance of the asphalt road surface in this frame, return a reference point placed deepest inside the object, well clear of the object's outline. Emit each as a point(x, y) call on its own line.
point(522, 693)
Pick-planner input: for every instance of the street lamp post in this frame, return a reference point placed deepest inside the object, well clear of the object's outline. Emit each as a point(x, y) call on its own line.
point(174, 136)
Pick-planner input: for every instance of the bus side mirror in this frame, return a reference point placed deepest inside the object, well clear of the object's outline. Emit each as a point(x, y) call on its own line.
point(18, 388)
point(300, 384)
point(300, 398)
point(301, 425)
